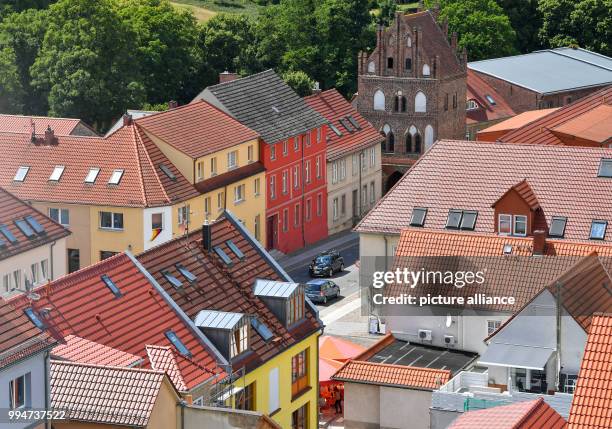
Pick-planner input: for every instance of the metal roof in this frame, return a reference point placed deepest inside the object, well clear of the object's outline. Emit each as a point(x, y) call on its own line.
point(217, 319)
point(551, 70)
point(274, 289)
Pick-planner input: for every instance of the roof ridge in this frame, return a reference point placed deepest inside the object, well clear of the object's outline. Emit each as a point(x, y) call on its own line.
point(390, 365)
point(140, 142)
point(557, 52)
point(143, 191)
point(109, 367)
point(536, 404)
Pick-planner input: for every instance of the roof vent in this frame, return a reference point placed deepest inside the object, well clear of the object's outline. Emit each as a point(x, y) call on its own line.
point(507, 249)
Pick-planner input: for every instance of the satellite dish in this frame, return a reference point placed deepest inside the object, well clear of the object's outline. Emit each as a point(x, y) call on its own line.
point(449, 320)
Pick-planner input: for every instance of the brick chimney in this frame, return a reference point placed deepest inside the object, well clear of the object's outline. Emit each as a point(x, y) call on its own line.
point(188, 399)
point(172, 104)
point(127, 120)
point(539, 241)
point(207, 236)
point(50, 138)
point(227, 77)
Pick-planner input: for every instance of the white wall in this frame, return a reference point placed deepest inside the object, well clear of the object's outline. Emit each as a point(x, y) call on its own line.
point(166, 233)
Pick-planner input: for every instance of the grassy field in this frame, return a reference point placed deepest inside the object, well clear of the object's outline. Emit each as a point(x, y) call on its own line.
point(202, 14)
point(205, 9)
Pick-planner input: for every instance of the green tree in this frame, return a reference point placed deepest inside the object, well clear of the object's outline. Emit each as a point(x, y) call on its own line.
point(11, 92)
point(9, 6)
point(482, 26)
point(166, 47)
point(386, 12)
point(586, 23)
point(526, 20)
point(300, 82)
point(86, 63)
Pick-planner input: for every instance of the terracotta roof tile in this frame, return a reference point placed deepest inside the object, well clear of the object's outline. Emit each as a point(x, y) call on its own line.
point(333, 107)
point(104, 394)
point(593, 126)
point(197, 129)
point(535, 414)
point(473, 175)
point(77, 349)
point(392, 375)
point(23, 124)
point(478, 89)
point(164, 359)
point(592, 403)
point(13, 209)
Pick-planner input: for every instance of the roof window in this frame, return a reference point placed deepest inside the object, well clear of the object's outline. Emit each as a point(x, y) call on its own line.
point(191, 278)
point(172, 279)
point(34, 318)
point(8, 234)
point(598, 229)
point(557, 226)
point(346, 125)
point(454, 219)
point(25, 228)
point(490, 99)
point(235, 249)
point(177, 343)
point(92, 175)
point(37, 227)
point(56, 175)
point(335, 130)
point(115, 177)
point(167, 172)
point(262, 329)
point(461, 219)
point(468, 221)
point(226, 259)
point(354, 122)
point(21, 174)
point(605, 168)
point(418, 216)
point(111, 285)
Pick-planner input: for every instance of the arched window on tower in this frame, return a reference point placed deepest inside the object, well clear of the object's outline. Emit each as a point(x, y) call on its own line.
point(409, 138)
point(403, 103)
point(420, 102)
point(417, 143)
point(385, 131)
point(371, 67)
point(379, 100)
point(429, 136)
point(409, 41)
point(390, 142)
point(426, 71)
point(396, 103)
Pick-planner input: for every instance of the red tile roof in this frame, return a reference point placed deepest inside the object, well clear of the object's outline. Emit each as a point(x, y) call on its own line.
point(197, 129)
point(81, 304)
point(19, 338)
point(392, 375)
point(105, 394)
point(143, 183)
point(513, 123)
point(478, 89)
point(77, 349)
point(525, 192)
point(473, 175)
point(222, 288)
point(333, 107)
point(164, 359)
point(592, 127)
point(541, 131)
point(23, 124)
point(535, 414)
point(592, 403)
point(12, 209)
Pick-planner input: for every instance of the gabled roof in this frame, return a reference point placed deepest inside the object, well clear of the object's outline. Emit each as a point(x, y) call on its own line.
point(535, 414)
point(19, 337)
point(513, 123)
point(143, 183)
point(580, 118)
point(196, 129)
point(13, 209)
point(81, 350)
point(164, 359)
point(392, 375)
point(82, 304)
point(479, 90)
point(224, 288)
point(593, 395)
point(472, 175)
point(217, 319)
point(525, 192)
point(264, 103)
point(105, 394)
point(551, 70)
point(24, 124)
point(333, 107)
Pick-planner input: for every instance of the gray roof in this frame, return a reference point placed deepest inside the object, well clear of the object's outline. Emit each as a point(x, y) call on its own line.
point(135, 114)
point(266, 104)
point(551, 70)
point(217, 319)
point(274, 289)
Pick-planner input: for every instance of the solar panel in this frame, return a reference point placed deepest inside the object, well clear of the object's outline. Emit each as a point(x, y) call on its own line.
point(235, 249)
point(25, 228)
point(35, 225)
point(219, 251)
point(167, 172)
point(177, 343)
point(262, 329)
point(172, 279)
point(34, 318)
point(191, 278)
point(8, 234)
point(111, 285)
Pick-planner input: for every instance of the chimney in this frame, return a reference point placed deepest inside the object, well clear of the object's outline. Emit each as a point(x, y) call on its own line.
point(227, 76)
point(445, 27)
point(539, 241)
point(50, 138)
point(454, 41)
point(188, 399)
point(172, 104)
point(316, 90)
point(206, 236)
point(127, 120)
point(464, 58)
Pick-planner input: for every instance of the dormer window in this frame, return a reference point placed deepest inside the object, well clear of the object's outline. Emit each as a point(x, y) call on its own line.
point(598, 229)
point(557, 226)
point(229, 332)
point(295, 307)
point(285, 299)
point(471, 105)
point(512, 225)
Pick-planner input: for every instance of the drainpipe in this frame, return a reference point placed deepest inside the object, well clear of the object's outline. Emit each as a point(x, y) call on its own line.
point(182, 405)
point(51, 272)
point(47, 357)
point(558, 371)
point(360, 190)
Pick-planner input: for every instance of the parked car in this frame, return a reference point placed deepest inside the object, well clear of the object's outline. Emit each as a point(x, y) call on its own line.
point(321, 290)
point(326, 264)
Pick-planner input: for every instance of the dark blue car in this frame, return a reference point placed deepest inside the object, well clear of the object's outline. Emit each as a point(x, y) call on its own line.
point(321, 290)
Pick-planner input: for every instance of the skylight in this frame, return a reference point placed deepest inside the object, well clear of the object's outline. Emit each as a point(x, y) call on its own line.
point(25, 228)
point(115, 177)
point(111, 285)
point(37, 227)
point(177, 343)
point(507, 249)
point(598, 229)
point(167, 172)
point(191, 278)
point(335, 130)
point(172, 279)
point(92, 175)
point(605, 168)
point(235, 249)
point(354, 122)
point(8, 234)
point(454, 219)
point(557, 226)
point(57, 173)
point(490, 99)
point(33, 316)
point(21, 174)
point(468, 221)
point(418, 216)
point(219, 251)
point(262, 329)
point(346, 125)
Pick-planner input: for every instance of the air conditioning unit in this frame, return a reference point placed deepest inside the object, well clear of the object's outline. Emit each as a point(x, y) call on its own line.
point(449, 339)
point(425, 334)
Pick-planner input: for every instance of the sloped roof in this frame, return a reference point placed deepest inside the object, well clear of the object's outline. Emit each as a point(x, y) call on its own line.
point(143, 183)
point(81, 304)
point(550, 70)
point(517, 121)
point(81, 350)
point(264, 103)
point(23, 124)
point(478, 90)
point(473, 175)
point(593, 395)
point(333, 107)
point(197, 129)
point(594, 126)
point(520, 415)
point(104, 394)
point(13, 209)
point(164, 359)
point(541, 130)
point(525, 192)
point(392, 375)
point(274, 289)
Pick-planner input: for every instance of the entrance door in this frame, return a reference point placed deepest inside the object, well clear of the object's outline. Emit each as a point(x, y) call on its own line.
point(272, 232)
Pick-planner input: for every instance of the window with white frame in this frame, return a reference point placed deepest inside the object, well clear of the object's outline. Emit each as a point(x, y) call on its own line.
point(272, 152)
point(307, 171)
point(110, 220)
point(342, 169)
point(372, 192)
point(220, 200)
point(200, 168)
point(61, 216)
point(296, 176)
point(250, 153)
point(296, 215)
point(44, 270)
point(34, 276)
point(183, 215)
point(504, 226)
point(318, 166)
point(213, 166)
point(318, 135)
point(239, 338)
point(335, 208)
point(492, 326)
point(272, 187)
point(284, 182)
point(207, 206)
point(239, 193)
point(372, 156)
point(296, 144)
point(257, 186)
point(519, 225)
point(285, 147)
point(232, 159)
point(334, 172)
point(20, 392)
